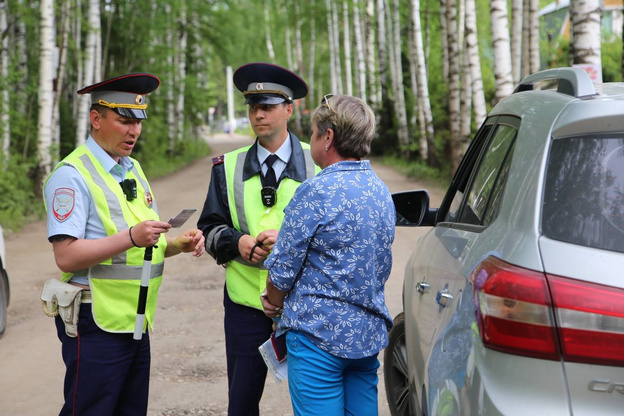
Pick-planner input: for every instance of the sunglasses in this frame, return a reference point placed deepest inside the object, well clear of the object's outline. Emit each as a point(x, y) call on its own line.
point(325, 101)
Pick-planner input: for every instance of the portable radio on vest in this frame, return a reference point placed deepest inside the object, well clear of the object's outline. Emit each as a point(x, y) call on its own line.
point(269, 190)
point(129, 187)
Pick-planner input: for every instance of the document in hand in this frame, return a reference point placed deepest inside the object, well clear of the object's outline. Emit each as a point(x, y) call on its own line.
point(273, 352)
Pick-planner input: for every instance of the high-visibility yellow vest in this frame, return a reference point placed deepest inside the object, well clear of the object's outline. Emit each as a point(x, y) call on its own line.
point(246, 281)
point(115, 283)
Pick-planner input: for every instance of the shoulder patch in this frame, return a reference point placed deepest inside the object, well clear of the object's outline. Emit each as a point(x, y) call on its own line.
point(218, 160)
point(63, 203)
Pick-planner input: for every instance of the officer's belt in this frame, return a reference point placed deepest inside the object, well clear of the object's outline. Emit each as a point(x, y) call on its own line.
point(120, 271)
point(85, 297)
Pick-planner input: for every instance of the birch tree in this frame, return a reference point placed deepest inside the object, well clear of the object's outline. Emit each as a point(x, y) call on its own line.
point(360, 67)
point(472, 51)
point(516, 39)
point(346, 38)
point(371, 67)
point(181, 72)
point(46, 95)
point(453, 83)
point(5, 126)
point(533, 46)
point(335, 26)
point(502, 52)
point(424, 105)
point(333, 50)
point(90, 61)
point(267, 33)
point(382, 51)
point(60, 80)
point(397, 76)
point(586, 47)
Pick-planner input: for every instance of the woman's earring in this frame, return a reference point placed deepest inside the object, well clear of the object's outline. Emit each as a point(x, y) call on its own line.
point(327, 148)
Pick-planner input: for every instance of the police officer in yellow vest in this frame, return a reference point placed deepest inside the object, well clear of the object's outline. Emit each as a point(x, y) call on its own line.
point(101, 215)
point(244, 209)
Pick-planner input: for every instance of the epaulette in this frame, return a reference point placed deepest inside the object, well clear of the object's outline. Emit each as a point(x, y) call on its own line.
point(218, 160)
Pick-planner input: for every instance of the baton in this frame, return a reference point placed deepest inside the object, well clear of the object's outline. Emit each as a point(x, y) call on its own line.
point(145, 278)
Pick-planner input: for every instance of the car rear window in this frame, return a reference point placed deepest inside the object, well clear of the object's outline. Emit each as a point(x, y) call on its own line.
point(584, 193)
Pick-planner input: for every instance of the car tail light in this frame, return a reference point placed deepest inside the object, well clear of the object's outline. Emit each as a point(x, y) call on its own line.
point(590, 320)
point(524, 312)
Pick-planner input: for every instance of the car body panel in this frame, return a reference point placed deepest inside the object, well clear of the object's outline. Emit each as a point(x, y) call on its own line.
point(448, 361)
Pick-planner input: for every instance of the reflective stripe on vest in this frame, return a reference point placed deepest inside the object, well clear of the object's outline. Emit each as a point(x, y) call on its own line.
point(115, 282)
point(246, 281)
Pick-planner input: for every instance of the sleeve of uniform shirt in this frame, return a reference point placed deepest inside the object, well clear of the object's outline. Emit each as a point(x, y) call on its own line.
point(303, 218)
point(67, 200)
point(215, 220)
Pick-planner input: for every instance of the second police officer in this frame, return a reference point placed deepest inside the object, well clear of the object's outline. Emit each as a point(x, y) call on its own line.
point(242, 214)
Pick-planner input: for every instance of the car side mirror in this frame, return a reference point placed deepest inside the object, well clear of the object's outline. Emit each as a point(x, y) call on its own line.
point(412, 209)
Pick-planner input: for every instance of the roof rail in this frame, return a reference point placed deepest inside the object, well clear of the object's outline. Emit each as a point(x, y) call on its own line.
point(572, 81)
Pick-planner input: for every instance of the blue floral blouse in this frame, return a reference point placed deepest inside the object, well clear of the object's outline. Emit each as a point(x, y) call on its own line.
point(333, 257)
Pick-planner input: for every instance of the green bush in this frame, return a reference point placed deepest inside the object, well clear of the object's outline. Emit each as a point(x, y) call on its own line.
point(19, 202)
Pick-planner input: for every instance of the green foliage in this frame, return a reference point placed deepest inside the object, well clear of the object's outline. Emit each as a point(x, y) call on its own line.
point(612, 61)
point(19, 202)
point(417, 170)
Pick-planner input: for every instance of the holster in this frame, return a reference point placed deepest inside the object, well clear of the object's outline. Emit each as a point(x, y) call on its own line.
point(63, 299)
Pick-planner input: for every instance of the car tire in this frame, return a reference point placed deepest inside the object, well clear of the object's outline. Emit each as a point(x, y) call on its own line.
point(395, 371)
point(4, 299)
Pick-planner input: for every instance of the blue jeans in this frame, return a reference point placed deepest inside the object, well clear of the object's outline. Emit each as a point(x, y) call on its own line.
point(323, 384)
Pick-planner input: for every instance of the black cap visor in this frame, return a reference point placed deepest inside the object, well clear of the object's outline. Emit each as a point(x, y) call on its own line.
point(264, 99)
point(131, 112)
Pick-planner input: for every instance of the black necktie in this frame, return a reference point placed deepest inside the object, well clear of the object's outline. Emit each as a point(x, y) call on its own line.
point(269, 178)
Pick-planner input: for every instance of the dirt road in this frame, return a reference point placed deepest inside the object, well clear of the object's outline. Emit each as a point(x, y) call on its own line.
point(188, 352)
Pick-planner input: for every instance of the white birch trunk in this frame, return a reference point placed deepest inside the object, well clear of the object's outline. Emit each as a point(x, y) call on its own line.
point(5, 122)
point(338, 60)
point(525, 67)
point(516, 39)
point(444, 38)
point(371, 66)
point(502, 51)
point(60, 81)
point(346, 41)
point(171, 69)
point(46, 94)
point(360, 67)
point(91, 48)
point(299, 55)
point(267, 33)
point(181, 73)
point(585, 18)
point(465, 105)
point(424, 105)
point(77, 36)
point(476, 75)
point(333, 76)
point(382, 52)
point(311, 79)
point(289, 54)
point(399, 91)
point(534, 47)
point(453, 84)
point(22, 66)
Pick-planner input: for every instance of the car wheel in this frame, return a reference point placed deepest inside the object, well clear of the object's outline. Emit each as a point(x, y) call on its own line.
point(4, 299)
point(396, 371)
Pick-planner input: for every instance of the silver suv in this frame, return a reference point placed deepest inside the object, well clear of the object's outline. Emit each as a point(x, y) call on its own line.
point(4, 285)
point(514, 299)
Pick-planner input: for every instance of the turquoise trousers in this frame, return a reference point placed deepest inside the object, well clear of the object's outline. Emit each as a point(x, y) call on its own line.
point(323, 384)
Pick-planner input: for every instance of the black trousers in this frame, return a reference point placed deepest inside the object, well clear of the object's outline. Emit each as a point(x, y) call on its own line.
point(245, 330)
point(106, 374)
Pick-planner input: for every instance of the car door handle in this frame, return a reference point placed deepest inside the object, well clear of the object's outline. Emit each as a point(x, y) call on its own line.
point(423, 287)
point(444, 298)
